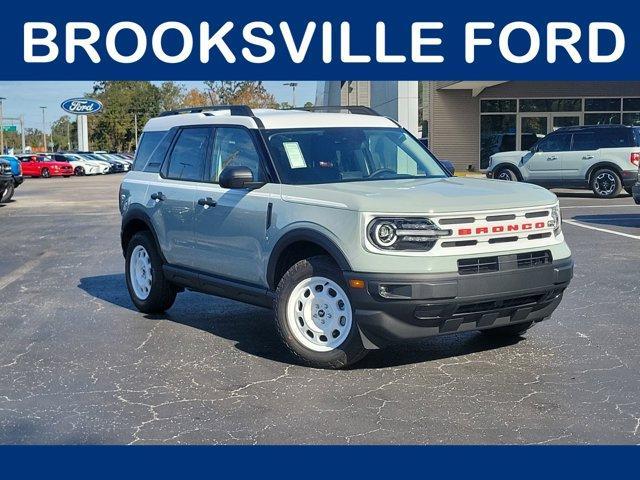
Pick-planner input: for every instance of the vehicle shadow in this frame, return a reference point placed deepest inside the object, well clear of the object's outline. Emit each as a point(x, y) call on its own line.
point(615, 220)
point(254, 332)
point(586, 194)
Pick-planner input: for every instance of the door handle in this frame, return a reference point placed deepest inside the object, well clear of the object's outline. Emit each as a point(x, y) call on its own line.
point(207, 202)
point(587, 157)
point(552, 158)
point(158, 196)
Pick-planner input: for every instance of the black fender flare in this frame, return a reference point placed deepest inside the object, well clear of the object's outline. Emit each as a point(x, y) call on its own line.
point(599, 165)
point(304, 235)
point(137, 213)
point(511, 167)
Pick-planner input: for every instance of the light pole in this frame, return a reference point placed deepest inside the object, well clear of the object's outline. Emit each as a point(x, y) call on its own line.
point(44, 135)
point(1, 128)
point(68, 133)
point(293, 86)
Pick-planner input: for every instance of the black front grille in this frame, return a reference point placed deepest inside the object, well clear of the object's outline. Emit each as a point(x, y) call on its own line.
point(534, 259)
point(469, 266)
point(498, 304)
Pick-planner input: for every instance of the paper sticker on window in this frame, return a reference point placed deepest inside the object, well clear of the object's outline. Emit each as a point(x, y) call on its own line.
point(294, 154)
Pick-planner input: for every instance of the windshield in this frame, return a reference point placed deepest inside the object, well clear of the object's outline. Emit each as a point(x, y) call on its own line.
point(332, 155)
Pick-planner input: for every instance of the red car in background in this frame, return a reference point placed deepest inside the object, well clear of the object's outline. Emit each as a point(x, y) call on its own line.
point(41, 166)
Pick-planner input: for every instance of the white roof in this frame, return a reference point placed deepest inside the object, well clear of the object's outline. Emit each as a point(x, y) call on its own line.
point(271, 119)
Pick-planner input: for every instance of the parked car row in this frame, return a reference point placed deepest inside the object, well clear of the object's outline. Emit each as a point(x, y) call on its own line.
point(13, 169)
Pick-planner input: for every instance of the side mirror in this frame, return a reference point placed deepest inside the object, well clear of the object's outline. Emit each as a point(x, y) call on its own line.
point(238, 177)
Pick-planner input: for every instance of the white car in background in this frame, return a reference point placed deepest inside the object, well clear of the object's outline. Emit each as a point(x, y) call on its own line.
point(81, 166)
point(103, 167)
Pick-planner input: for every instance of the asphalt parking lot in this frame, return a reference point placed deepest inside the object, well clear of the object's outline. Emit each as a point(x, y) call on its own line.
point(78, 364)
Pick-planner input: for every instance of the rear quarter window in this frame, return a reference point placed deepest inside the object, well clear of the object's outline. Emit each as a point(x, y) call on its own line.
point(151, 151)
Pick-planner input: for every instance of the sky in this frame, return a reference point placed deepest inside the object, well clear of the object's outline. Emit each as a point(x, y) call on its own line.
point(27, 97)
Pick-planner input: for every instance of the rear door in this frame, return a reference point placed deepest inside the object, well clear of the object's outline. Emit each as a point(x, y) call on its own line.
point(173, 196)
point(231, 235)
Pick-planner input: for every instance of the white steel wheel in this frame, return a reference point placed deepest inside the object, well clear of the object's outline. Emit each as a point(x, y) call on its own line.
point(319, 314)
point(140, 272)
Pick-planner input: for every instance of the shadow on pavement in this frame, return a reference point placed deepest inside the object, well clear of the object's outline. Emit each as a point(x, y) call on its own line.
point(616, 220)
point(254, 331)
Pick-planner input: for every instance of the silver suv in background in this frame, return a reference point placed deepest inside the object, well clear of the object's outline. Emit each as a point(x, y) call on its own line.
point(344, 224)
point(604, 158)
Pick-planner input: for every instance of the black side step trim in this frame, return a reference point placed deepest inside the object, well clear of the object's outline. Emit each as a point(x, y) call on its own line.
point(219, 286)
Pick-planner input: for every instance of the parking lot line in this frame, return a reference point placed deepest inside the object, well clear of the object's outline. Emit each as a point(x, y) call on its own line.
point(23, 270)
point(597, 229)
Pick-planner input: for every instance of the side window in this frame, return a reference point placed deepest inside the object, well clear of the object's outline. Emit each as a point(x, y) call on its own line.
point(189, 153)
point(584, 141)
point(555, 143)
point(148, 143)
point(153, 163)
point(234, 147)
point(615, 138)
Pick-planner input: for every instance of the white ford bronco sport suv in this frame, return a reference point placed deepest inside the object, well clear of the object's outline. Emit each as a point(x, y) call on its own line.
point(343, 223)
point(604, 158)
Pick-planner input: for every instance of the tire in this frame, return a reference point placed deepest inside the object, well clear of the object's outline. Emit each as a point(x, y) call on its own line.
point(508, 331)
point(328, 338)
point(629, 190)
point(605, 183)
point(505, 173)
point(159, 294)
point(7, 194)
point(44, 173)
point(79, 172)
point(66, 176)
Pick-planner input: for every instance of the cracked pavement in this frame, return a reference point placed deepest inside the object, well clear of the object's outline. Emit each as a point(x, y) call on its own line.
point(79, 365)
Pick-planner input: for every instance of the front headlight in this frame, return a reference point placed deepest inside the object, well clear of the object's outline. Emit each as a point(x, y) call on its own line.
point(404, 233)
point(556, 219)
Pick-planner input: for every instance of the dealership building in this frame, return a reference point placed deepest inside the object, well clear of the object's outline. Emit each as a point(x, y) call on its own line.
point(468, 121)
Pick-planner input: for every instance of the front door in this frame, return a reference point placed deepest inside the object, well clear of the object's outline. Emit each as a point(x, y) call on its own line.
point(231, 224)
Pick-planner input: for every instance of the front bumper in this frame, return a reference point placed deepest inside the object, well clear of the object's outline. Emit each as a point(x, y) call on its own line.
point(635, 191)
point(433, 304)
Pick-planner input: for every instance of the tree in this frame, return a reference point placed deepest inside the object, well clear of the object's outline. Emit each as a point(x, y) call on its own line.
point(195, 98)
point(113, 128)
point(248, 93)
point(59, 133)
point(308, 105)
point(284, 106)
point(171, 95)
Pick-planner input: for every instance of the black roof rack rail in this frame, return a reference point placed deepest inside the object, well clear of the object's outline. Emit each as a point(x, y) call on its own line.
point(577, 128)
point(239, 110)
point(355, 109)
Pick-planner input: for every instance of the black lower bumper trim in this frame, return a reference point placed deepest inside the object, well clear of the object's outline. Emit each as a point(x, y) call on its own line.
point(437, 304)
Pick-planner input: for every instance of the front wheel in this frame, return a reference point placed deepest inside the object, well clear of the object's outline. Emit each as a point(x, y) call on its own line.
point(45, 173)
point(79, 171)
point(606, 183)
point(506, 174)
point(314, 314)
point(149, 290)
point(7, 194)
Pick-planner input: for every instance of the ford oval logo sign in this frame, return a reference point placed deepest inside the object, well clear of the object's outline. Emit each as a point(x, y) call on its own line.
point(81, 106)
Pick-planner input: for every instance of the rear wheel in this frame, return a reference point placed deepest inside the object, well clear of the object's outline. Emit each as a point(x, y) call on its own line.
point(7, 194)
point(507, 174)
point(148, 288)
point(606, 183)
point(44, 173)
point(508, 330)
point(314, 314)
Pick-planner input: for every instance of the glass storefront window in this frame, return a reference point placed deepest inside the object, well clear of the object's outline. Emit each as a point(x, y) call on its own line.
point(551, 105)
point(601, 118)
point(631, 119)
point(498, 106)
point(631, 104)
point(497, 134)
point(602, 105)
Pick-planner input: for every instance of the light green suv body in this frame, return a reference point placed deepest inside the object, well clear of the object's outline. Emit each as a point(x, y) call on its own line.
point(279, 190)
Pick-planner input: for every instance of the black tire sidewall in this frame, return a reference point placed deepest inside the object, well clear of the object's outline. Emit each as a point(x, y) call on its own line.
point(162, 294)
point(6, 195)
point(618, 188)
point(351, 350)
point(79, 171)
point(514, 177)
point(44, 173)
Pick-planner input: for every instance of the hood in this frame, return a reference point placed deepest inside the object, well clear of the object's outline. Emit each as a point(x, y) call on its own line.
point(437, 195)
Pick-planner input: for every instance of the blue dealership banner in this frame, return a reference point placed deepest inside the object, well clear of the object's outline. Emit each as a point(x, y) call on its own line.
point(315, 462)
point(322, 40)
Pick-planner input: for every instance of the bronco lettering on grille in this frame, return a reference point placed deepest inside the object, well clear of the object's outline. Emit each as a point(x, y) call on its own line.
point(500, 228)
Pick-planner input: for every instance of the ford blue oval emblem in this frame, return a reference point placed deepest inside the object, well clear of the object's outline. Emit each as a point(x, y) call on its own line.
point(81, 106)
